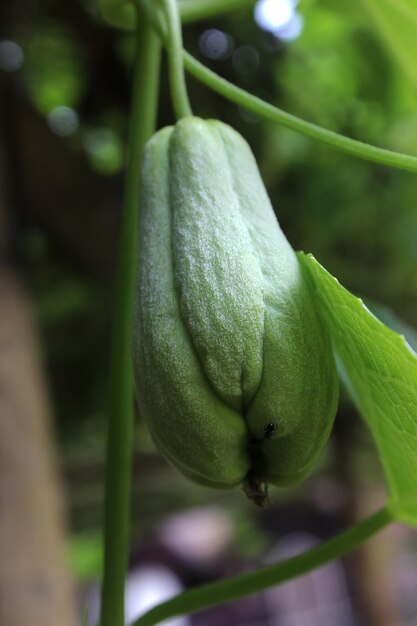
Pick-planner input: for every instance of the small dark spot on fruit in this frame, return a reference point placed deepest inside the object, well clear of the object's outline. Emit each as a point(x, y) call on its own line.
point(269, 430)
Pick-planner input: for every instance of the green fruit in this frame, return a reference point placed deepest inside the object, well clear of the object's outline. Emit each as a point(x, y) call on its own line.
point(234, 373)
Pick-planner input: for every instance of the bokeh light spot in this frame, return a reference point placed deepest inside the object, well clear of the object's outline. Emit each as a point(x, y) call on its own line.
point(273, 14)
point(63, 121)
point(105, 150)
point(280, 18)
point(292, 29)
point(11, 56)
point(215, 44)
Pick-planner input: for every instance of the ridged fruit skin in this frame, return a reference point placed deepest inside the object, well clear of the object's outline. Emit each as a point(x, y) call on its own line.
point(234, 372)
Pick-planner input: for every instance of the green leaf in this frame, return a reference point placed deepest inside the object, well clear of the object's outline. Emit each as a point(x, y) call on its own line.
point(382, 372)
point(396, 21)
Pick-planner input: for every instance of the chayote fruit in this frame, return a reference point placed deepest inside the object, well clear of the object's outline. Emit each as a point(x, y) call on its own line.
point(234, 372)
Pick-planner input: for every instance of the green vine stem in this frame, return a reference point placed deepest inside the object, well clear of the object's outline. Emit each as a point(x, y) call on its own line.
point(239, 586)
point(120, 407)
point(175, 60)
point(274, 114)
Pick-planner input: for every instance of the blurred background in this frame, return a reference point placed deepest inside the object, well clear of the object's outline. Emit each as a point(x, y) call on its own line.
point(64, 108)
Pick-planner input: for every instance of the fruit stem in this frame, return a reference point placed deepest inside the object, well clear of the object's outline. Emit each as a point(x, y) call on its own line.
point(179, 94)
point(256, 490)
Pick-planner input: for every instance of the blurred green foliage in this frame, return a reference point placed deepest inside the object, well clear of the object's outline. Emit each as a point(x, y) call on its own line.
point(54, 71)
point(397, 22)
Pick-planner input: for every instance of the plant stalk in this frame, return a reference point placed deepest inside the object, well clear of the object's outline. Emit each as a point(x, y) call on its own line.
point(174, 48)
point(120, 413)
